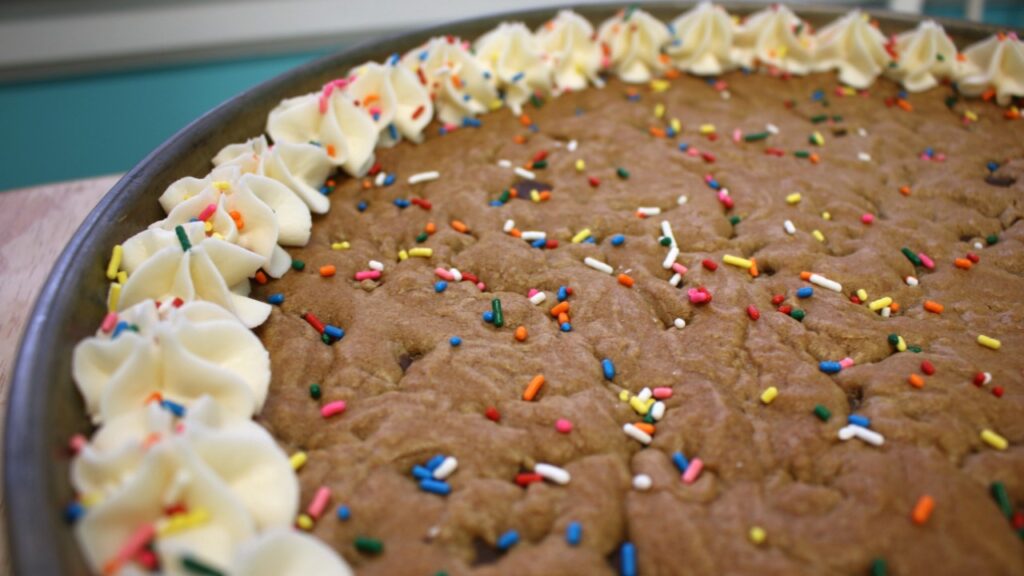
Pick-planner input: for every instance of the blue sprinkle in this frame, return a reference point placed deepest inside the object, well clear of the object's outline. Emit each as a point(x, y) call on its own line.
point(563, 293)
point(859, 420)
point(392, 131)
point(434, 462)
point(574, 533)
point(376, 116)
point(435, 486)
point(465, 97)
point(422, 472)
point(423, 56)
point(325, 190)
point(714, 184)
point(683, 146)
point(579, 111)
point(830, 367)
point(361, 206)
point(344, 513)
point(401, 202)
point(805, 292)
point(533, 128)
point(173, 407)
point(508, 540)
point(393, 59)
point(680, 461)
point(519, 76)
point(442, 130)
point(608, 368)
point(73, 512)
point(194, 219)
point(440, 286)
point(627, 559)
point(470, 122)
point(566, 327)
point(993, 166)
point(496, 203)
point(120, 327)
point(670, 132)
point(489, 317)
point(902, 94)
point(539, 243)
point(276, 299)
point(590, 240)
point(487, 74)
point(929, 151)
point(818, 95)
point(455, 340)
point(618, 240)
point(334, 332)
point(389, 179)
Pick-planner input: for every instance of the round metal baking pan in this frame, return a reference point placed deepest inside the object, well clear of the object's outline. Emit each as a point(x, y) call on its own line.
point(45, 410)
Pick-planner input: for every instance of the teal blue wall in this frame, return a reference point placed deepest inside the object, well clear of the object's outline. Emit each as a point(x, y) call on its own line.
point(105, 123)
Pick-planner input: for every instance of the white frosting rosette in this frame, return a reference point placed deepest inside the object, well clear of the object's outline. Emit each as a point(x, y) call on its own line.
point(996, 62)
point(570, 51)
point(168, 264)
point(399, 105)
point(854, 47)
point(182, 353)
point(777, 37)
point(332, 119)
point(288, 553)
point(303, 168)
point(458, 83)
point(702, 40)
point(925, 55)
point(227, 476)
point(513, 57)
point(632, 40)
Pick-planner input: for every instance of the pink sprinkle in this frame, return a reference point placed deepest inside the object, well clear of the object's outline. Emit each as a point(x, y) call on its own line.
point(207, 212)
point(678, 268)
point(693, 471)
point(325, 93)
point(846, 362)
point(940, 157)
point(134, 545)
point(332, 408)
point(77, 443)
point(375, 110)
point(532, 293)
point(316, 507)
point(696, 296)
point(662, 392)
point(737, 135)
point(721, 85)
point(563, 426)
point(708, 178)
point(724, 198)
point(867, 218)
point(367, 275)
point(451, 127)
point(692, 151)
point(481, 286)
point(926, 261)
point(442, 273)
point(109, 322)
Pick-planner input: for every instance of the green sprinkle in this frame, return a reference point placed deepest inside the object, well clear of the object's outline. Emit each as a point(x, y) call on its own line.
point(914, 348)
point(797, 314)
point(940, 57)
point(665, 241)
point(756, 136)
point(499, 318)
point(540, 164)
point(183, 237)
point(314, 391)
point(914, 259)
point(894, 339)
point(802, 154)
point(819, 118)
point(369, 545)
point(1002, 498)
point(991, 239)
point(325, 338)
point(422, 237)
point(951, 101)
point(505, 195)
point(879, 568)
point(622, 172)
point(298, 265)
point(734, 220)
point(823, 413)
point(837, 118)
point(196, 566)
point(648, 418)
point(537, 101)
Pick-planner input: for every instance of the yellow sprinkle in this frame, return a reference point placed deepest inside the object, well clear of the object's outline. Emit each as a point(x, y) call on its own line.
point(877, 305)
point(994, 440)
point(222, 185)
point(769, 395)
point(298, 460)
point(638, 405)
point(782, 51)
point(340, 246)
point(421, 252)
point(737, 261)
point(217, 235)
point(581, 236)
point(650, 402)
point(793, 198)
point(535, 196)
point(863, 295)
point(90, 499)
point(826, 215)
point(580, 165)
point(707, 128)
point(624, 395)
point(818, 235)
point(115, 262)
point(757, 535)
point(659, 85)
point(659, 110)
point(847, 91)
point(122, 277)
point(304, 522)
point(179, 522)
point(208, 226)
point(901, 344)
point(818, 139)
point(113, 296)
point(971, 116)
point(403, 255)
point(989, 342)
point(676, 125)
point(496, 105)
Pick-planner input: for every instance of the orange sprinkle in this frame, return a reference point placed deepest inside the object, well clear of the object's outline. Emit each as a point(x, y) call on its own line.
point(923, 509)
point(460, 226)
point(545, 196)
point(533, 387)
point(330, 150)
point(519, 139)
point(515, 233)
point(963, 263)
point(753, 268)
point(1012, 114)
point(237, 217)
point(261, 278)
point(370, 99)
point(905, 105)
point(559, 308)
point(327, 270)
point(525, 120)
point(648, 428)
point(430, 228)
point(521, 334)
point(894, 307)
point(151, 439)
point(916, 381)
point(513, 193)
point(815, 158)
point(672, 74)
point(367, 183)
point(563, 318)
point(905, 190)
point(933, 307)
point(960, 57)
point(988, 95)
point(154, 397)
point(805, 276)
point(626, 280)
point(657, 132)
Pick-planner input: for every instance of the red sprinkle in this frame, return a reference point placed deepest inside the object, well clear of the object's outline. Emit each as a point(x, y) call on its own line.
point(785, 309)
point(973, 257)
point(418, 111)
point(594, 181)
point(526, 478)
point(492, 414)
point(314, 322)
point(753, 312)
point(374, 170)
point(997, 391)
point(551, 244)
point(1018, 520)
point(927, 367)
point(979, 379)
point(709, 264)
point(777, 299)
point(540, 156)
point(422, 203)
point(708, 156)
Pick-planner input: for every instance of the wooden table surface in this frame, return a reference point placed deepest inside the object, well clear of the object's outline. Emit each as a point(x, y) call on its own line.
point(35, 224)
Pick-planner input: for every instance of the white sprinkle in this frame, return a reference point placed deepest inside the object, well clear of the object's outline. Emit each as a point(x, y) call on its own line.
point(911, 281)
point(446, 468)
point(524, 173)
point(666, 230)
point(552, 473)
point(681, 200)
point(978, 245)
point(771, 128)
point(424, 177)
point(670, 258)
point(456, 275)
point(509, 225)
point(675, 279)
point(571, 147)
point(680, 323)
point(723, 190)
point(862, 132)
point(636, 434)
point(376, 265)
point(504, 163)
point(886, 312)
point(538, 298)
point(598, 265)
point(531, 235)
point(865, 434)
point(433, 532)
point(988, 378)
point(790, 229)
point(645, 394)
point(826, 283)
point(725, 95)
point(658, 410)
point(864, 157)
point(379, 180)
point(642, 482)
point(649, 210)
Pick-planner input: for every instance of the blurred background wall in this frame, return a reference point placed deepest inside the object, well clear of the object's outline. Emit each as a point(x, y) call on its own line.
point(89, 87)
